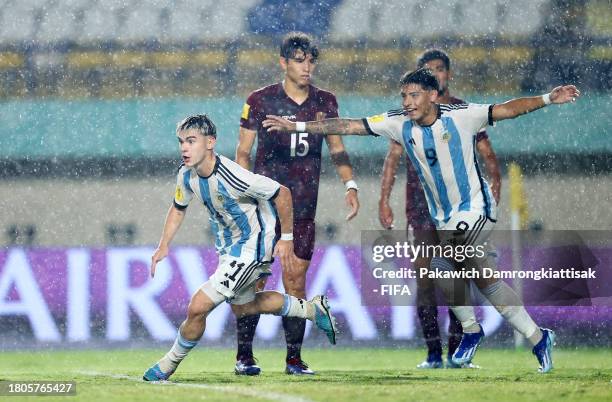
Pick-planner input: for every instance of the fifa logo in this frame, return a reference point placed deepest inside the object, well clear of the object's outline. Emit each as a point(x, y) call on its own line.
point(446, 136)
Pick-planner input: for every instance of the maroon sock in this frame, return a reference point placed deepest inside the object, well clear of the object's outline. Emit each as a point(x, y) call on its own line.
point(246, 327)
point(455, 332)
point(428, 317)
point(294, 334)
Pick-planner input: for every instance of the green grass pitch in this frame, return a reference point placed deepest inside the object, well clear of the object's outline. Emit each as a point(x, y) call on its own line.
point(343, 375)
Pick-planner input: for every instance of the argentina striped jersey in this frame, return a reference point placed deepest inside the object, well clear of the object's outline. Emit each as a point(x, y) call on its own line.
point(444, 158)
point(240, 205)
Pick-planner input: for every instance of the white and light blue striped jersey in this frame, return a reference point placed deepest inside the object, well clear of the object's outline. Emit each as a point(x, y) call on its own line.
point(241, 206)
point(443, 155)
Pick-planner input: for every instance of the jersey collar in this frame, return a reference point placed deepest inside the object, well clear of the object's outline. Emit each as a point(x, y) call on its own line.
point(281, 91)
point(438, 115)
point(217, 162)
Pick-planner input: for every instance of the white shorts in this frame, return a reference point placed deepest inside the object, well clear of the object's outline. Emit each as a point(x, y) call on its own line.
point(466, 228)
point(234, 280)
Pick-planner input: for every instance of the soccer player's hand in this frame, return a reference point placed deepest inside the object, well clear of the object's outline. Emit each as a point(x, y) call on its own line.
point(385, 215)
point(160, 254)
point(564, 94)
point(352, 200)
point(284, 251)
point(277, 123)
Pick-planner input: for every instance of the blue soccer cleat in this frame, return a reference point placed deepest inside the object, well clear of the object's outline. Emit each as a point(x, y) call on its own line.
point(543, 350)
point(432, 362)
point(297, 366)
point(247, 366)
point(451, 365)
point(154, 373)
point(323, 317)
point(467, 348)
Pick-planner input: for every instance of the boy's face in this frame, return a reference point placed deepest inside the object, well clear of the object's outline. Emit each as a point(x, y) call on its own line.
point(299, 68)
point(438, 68)
point(194, 146)
point(417, 101)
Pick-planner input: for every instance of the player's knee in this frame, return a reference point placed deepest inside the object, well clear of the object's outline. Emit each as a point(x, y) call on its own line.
point(199, 306)
point(240, 310)
point(262, 298)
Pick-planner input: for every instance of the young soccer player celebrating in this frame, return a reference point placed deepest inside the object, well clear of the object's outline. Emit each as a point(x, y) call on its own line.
point(243, 209)
point(439, 140)
point(420, 223)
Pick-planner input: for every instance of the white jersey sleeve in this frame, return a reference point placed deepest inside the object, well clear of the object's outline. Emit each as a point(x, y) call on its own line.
point(476, 116)
point(388, 124)
point(183, 193)
point(245, 183)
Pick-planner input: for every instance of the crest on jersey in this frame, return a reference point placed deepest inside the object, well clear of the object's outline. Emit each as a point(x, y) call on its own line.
point(219, 198)
point(446, 136)
point(178, 194)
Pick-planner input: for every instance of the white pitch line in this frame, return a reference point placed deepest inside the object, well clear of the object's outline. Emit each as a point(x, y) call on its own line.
point(254, 393)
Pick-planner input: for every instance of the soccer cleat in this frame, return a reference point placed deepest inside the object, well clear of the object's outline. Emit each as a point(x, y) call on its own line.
point(323, 317)
point(467, 348)
point(247, 366)
point(543, 350)
point(434, 363)
point(451, 365)
point(297, 366)
point(154, 373)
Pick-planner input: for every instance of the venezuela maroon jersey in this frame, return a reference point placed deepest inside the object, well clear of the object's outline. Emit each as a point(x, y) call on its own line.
point(294, 160)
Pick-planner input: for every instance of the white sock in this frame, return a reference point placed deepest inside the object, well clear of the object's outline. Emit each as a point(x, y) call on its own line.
point(176, 354)
point(510, 306)
point(466, 315)
point(294, 307)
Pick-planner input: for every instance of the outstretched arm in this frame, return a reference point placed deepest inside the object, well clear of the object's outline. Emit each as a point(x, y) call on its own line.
point(385, 213)
point(519, 106)
point(324, 127)
point(174, 218)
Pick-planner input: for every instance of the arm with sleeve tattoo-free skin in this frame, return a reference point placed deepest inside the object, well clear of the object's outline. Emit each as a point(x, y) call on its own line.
point(284, 248)
point(385, 213)
point(491, 165)
point(245, 145)
point(516, 107)
point(345, 171)
point(174, 218)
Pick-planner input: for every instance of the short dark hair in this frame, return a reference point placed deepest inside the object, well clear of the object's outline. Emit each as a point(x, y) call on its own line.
point(199, 122)
point(423, 77)
point(433, 54)
point(294, 41)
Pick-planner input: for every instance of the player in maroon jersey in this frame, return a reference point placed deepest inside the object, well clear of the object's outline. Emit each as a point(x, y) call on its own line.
point(419, 220)
point(295, 162)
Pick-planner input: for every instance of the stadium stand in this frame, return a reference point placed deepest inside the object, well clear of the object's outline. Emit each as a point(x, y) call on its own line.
point(118, 48)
